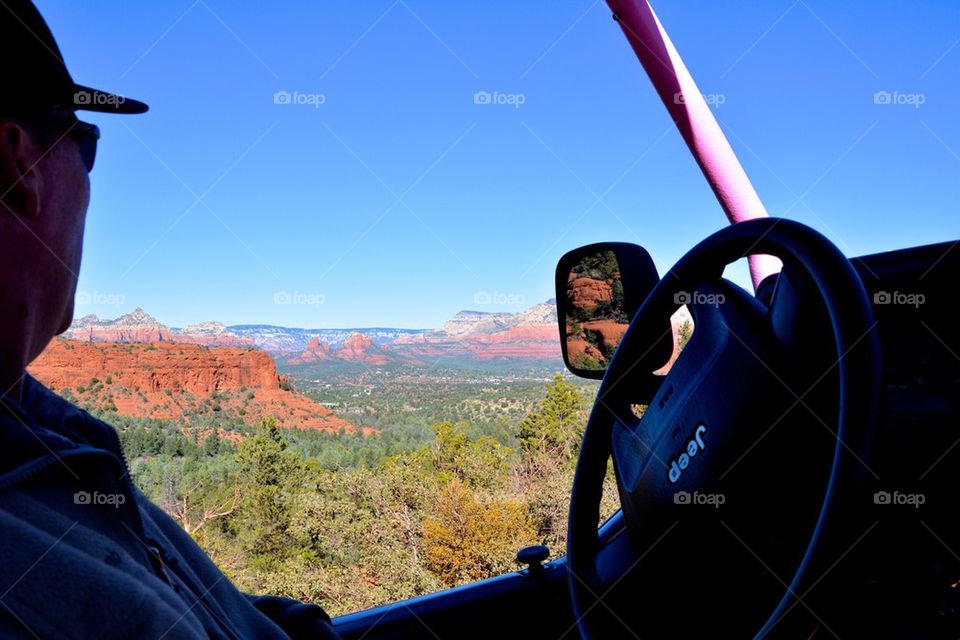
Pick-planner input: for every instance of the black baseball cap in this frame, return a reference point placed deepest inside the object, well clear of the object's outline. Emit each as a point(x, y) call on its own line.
point(34, 77)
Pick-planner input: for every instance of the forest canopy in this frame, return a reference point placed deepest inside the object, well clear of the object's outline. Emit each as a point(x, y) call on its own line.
point(353, 521)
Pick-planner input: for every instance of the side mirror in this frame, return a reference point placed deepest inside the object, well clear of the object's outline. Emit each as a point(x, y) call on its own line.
point(599, 289)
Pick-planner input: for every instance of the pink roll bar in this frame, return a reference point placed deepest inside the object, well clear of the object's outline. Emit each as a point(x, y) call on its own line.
point(692, 115)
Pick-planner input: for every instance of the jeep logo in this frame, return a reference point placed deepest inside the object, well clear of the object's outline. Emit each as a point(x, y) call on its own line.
point(694, 447)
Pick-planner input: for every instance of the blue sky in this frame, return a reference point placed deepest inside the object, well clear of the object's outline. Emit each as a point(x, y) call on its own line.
point(398, 200)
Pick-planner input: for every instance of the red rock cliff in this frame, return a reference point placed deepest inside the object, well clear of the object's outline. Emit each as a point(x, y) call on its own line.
point(170, 380)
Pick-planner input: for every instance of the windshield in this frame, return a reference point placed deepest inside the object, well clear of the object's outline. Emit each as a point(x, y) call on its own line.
point(317, 295)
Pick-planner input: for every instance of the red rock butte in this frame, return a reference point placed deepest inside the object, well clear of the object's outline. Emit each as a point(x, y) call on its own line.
point(356, 348)
point(586, 293)
point(167, 380)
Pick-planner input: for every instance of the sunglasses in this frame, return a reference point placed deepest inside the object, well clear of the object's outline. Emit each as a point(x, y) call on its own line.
point(61, 125)
point(86, 135)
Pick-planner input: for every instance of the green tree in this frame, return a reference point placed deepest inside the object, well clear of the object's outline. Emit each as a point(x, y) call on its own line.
point(267, 474)
point(556, 427)
point(550, 438)
point(211, 444)
point(480, 462)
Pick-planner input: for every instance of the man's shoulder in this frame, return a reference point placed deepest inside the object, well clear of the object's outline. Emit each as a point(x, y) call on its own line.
point(46, 406)
point(62, 578)
point(56, 414)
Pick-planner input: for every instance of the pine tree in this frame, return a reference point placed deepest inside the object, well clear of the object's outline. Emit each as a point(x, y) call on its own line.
point(267, 473)
point(557, 425)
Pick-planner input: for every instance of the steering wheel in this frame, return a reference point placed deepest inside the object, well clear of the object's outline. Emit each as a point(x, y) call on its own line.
point(733, 480)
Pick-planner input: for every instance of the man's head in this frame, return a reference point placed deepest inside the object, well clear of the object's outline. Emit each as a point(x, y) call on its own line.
point(45, 156)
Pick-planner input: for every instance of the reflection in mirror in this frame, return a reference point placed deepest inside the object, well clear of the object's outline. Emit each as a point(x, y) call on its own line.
point(596, 316)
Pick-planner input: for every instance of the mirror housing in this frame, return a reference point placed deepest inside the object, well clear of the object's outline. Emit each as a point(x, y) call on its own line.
point(599, 289)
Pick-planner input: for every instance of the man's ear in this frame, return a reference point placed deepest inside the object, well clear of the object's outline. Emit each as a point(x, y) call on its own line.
point(20, 182)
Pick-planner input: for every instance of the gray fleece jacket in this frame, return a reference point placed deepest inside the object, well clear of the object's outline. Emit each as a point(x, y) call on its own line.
point(84, 554)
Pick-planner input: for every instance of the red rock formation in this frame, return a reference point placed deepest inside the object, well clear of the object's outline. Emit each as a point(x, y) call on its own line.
point(316, 351)
point(211, 334)
point(156, 367)
point(146, 333)
point(166, 380)
point(536, 342)
point(587, 293)
point(610, 332)
point(223, 340)
point(356, 348)
point(608, 335)
point(578, 346)
point(139, 326)
point(531, 334)
point(360, 348)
